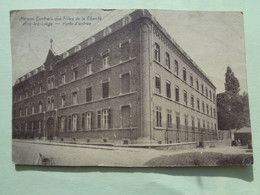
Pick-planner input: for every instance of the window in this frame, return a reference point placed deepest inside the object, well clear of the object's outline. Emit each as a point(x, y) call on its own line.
point(40, 106)
point(168, 89)
point(191, 80)
point(157, 52)
point(203, 125)
point(89, 68)
point(125, 80)
point(203, 107)
point(20, 112)
point(186, 122)
point(99, 119)
point(69, 122)
point(63, 100)
point(105, 60)
point(63, 78)
point(185, 98)
point(202, 89)
point(167, 60)
point(32, 109)
point(198, 104)
point(197, 84)
point(75, 98)
point(198, 124)
point(193, 128)
point(52, 103)
point(157, 84)
point(210, 95)
point(192, 124)
point(176, 67)
point(125, 51)
point(63, 123)
point(26, 111)
point(89, 94)
point(88, 120)
point(106, 118)
point(107, 31)
point(105, 89)
point(214, 113)
point(50, 82)
point(158, 116)
point(207, 125)
point(211, 113)
point(74, 122)
point(40, 88)
point(176, 93)
point(48, 103)
point(192, 101)
point(207, 109)
point(83, 121)
point(75, 74)
point(125, 114)
point(184, 74)
point(32, 91)
point(214, 98)
point(169, 119)
point(126, 20)
point(178, 122)
point(207, 92)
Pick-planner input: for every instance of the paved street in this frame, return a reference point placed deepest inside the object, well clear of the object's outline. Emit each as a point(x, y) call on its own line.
point(25, 152)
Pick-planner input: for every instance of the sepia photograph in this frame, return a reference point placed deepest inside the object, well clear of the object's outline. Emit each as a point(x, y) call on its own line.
point(129, 88)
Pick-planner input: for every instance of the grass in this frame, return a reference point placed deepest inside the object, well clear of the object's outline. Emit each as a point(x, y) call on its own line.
point(201, 159)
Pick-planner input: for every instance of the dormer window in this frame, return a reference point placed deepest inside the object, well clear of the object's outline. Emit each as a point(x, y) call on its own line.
point(107, 31)
point(77, 48)
point(65, 54)
point(91, 40)
point(126, 20)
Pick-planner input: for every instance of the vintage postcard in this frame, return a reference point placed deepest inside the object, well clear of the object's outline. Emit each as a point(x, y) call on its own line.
point(131, 88)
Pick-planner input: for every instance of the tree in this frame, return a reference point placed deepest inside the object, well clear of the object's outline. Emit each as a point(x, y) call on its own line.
point(232, 84)
point(233, 109)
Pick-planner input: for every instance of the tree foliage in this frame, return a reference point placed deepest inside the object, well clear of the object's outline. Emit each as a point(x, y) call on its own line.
point(233, 109)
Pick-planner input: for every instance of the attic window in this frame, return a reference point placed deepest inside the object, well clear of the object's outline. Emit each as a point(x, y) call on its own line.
point(127, 19)
point(23, 78)
point(91, 40)
point(107, 31)
point(65, 54)
point(29, 75)
point(35, 71)
point(77, 48)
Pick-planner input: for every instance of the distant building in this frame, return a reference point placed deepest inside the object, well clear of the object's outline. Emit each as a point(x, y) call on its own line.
point(129, 83)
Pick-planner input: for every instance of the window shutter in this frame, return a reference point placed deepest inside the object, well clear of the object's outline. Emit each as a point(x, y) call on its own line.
point(109, 118)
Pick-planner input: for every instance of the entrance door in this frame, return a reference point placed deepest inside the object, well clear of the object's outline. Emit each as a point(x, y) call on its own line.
point(50, 128)
point(126, 116)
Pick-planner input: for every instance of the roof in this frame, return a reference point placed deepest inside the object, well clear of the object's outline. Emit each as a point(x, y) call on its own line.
point(133, 16)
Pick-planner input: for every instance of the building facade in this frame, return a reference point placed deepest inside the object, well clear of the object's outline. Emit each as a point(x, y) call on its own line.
point(129, 83)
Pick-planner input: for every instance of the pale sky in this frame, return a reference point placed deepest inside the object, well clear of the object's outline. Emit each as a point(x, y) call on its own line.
point(214, 40)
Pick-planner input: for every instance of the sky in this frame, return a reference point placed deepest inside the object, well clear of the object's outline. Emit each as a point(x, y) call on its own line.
point(214, 40)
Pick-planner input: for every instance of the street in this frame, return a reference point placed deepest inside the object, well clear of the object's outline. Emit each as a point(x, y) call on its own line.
point(26, 152)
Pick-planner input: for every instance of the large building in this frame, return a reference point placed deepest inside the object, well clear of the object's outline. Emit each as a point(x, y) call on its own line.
point(129, 83)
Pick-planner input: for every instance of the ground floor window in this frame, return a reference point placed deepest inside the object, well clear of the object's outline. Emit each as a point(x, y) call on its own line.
point(158, 116)
point(169, 118)
point(88, 120)
point(74, 122)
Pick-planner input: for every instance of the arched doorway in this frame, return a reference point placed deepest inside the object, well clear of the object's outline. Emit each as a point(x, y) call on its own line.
point(50, 128)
